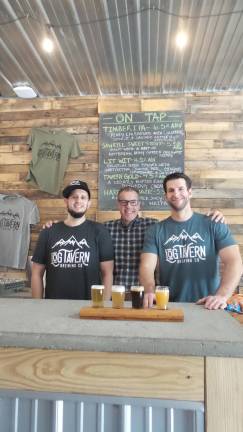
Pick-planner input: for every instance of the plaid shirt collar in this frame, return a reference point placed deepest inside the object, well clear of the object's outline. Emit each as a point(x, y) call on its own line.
point(131, 224)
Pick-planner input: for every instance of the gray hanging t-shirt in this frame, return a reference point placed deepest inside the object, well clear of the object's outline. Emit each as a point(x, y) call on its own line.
point(17, 213)
point(51, 151)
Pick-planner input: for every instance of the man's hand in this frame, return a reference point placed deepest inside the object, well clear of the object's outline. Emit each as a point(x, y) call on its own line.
point(148, 300)
point(49, 223)
point(213, 302)
point(217, 216)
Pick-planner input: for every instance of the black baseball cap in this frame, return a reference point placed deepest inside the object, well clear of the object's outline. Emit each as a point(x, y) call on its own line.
point(75, 184)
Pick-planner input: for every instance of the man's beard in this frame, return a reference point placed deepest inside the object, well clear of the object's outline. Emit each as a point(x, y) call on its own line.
point(181, 207)
point(76, 215)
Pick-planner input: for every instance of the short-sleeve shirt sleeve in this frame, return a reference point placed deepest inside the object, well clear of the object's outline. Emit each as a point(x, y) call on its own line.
point(106, 252)
point(75, 150)
point(223, 236)
point(150, 241)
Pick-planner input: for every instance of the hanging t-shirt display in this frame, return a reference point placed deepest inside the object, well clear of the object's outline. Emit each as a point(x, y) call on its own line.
point(51, 151)
point(17, 213)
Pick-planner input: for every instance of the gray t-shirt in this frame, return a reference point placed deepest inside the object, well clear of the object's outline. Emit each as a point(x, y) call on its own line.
point(17, 213)
point(51, 151)
point(188, 255)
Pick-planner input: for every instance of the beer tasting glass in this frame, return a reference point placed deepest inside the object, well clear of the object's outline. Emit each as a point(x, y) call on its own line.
point(137, 293)
point(118, 296)
point(162, 297)
point(97, 295)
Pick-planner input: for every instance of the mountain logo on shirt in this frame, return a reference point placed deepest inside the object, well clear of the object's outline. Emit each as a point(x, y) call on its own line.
point(72, 242)
point(184, 248)
point(184, 236)
point(70, 253)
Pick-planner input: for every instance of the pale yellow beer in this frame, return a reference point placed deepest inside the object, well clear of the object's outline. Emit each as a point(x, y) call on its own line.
point(97, 295)
point(118, 296)
point(162, 297)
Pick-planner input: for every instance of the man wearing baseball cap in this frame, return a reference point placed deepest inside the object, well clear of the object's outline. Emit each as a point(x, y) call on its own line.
point(75, 253)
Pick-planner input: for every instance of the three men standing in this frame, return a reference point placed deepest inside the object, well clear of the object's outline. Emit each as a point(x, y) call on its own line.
point(187, 246)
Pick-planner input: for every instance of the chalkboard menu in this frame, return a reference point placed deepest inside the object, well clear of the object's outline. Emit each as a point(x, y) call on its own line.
point(139, 149)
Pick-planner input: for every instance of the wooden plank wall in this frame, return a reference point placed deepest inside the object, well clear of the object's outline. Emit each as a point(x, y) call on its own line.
point(213, 150)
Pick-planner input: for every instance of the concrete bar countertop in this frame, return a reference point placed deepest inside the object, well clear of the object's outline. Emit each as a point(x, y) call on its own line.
point(55, 324)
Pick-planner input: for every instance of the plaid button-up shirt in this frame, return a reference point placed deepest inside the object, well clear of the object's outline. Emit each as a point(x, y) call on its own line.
point(128, 242)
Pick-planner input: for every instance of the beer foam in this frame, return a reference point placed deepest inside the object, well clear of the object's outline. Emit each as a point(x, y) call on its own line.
point(137, 288)
point(161, 288)
point(97, 287)
point(118, 288)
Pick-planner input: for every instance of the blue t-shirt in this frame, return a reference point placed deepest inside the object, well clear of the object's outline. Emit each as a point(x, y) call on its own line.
point(188, 255)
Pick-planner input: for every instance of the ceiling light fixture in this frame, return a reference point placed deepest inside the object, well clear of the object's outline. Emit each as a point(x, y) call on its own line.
point(47, 45)
point(181, 39)
point(24, 91)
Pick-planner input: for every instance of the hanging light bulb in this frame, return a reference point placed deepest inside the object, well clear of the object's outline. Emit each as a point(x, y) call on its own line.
point(181, 39)
point(47, 45)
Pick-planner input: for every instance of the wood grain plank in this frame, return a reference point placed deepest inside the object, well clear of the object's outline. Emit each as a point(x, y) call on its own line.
point(215, 183)
point(214, 154)
point(6, 148)
point(195, 166)
point(214, 134)
point(224, 394)
point(132, 314)
point(117, 104)
point(86, 102)
point(75, 130)
point(221, 126)
point(219, 115)
point(15, 158)
point(198, 144)
point(49, 122)
point(72, 112)
point(117, 374)
point(231, 212)
point(9, 177)
point(170, 104)
point(217, 202)
point(14, 132)
point(15, 104)
point(218, 193)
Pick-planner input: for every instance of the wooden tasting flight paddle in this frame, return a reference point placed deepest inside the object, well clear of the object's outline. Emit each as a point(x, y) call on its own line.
point(151, 314)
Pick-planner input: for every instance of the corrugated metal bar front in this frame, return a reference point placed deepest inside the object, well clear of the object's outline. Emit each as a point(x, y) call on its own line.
point(47, 412)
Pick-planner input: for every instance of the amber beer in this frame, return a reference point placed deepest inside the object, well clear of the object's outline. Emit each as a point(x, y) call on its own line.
point(118, 296)
point(97, 295)
point(137, 293)
point(162, 297)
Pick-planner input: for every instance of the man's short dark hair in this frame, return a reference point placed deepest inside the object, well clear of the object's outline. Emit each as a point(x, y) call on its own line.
point(175, 176)
point(128, 189)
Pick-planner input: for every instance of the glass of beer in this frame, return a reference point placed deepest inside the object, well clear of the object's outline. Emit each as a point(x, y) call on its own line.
point(137, 293)
point(118, 296)
point(162, 297)
point(97, 295)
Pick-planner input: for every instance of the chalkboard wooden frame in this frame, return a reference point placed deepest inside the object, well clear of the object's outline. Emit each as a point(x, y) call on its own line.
point(139, 149)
